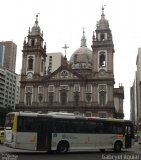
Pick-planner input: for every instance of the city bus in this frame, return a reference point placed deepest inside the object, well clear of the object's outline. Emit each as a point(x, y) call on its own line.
point(63, 132)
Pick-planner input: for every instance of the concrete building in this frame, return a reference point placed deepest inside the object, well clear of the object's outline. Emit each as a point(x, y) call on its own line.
point(135, 92)
point(2, 51)
point(17, 96)
point(133, 103)
point(83, 85)
point(53, 61)
point(8, 51)
point(8, 54)
point(2, 86)
point(7, 88)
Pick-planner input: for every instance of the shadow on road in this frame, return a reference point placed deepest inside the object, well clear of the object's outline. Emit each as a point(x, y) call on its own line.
point(69, 153)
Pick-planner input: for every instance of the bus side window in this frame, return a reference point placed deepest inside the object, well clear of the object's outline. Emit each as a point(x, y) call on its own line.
point(26, 124)
point(117, 128)
point(100, 127)
point(90, 127)
point(59, 126)
point(108, 128)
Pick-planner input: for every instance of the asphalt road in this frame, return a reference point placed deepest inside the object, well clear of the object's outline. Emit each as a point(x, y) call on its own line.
point(127, 154)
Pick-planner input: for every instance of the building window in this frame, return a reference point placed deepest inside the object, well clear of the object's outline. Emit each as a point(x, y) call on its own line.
point(76, 88)
point(50, 58)
point(102, 98)
point(28, 89)
point(32, 42)
point(50, 98)
point(63, 97)
point(88, 92)
point(76, 98)
point(102, 94)
point(40, 97)
point(28, 98)
point(64, 94)
point(88, 88)
point(28, 93)
point(40, 93)
point(40, 89)
point(64, 74)
point(30, 63)
point(88, 97)
point(51, 88)
point(102, 37)
point(102, 60)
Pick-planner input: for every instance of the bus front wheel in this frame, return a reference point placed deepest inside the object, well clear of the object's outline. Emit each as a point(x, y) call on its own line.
point(62, 147)
point(117, 147)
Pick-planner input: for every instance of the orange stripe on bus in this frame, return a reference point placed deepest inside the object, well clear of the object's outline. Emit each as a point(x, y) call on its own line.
point(120, 136)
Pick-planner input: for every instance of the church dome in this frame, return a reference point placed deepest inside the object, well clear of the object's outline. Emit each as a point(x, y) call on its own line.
point(82, 57)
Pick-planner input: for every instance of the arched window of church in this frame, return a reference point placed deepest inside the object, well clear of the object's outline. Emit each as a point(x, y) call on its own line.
point(28, 98)
point(76, 87)
point(102, 98)
point(32, 42)
point(64, 74)
point(50, 98)
point(40, 97)
point(102, 37)
point(102, 60)
point(28, 95)
point(30, 63)
point(88, 88)
point(63, 97)
point(88, 97)
point(76, 98)
point(51, 88)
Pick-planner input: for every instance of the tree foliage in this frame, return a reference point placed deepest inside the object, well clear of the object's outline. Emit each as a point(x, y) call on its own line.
point(3, 112)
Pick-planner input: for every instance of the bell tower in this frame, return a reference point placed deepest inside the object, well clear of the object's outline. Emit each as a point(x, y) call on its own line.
point(34, 54)
point(102, 66)
point(33, 67)
point(103, 49)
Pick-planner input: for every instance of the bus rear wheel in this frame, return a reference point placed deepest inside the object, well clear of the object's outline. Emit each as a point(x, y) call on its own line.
point(62, 147)
point(117, 147)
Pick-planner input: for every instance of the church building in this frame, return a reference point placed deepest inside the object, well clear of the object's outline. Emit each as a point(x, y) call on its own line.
point(82, 85)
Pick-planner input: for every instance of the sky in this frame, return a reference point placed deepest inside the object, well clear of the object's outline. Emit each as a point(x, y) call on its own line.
point(62, 22)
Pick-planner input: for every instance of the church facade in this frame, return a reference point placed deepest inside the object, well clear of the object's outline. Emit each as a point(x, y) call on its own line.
point(82, 85)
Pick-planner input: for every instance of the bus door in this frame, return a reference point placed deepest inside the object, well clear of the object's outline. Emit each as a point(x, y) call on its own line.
point(128, 136)
point(42, 135)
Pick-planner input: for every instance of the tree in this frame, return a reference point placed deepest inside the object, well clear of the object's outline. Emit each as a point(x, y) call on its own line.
point(3, 112)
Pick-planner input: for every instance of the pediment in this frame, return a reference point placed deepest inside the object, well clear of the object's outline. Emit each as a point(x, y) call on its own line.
point(64, 73)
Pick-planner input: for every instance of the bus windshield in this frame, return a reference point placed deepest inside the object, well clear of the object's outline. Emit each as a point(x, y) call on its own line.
point(9, 121)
